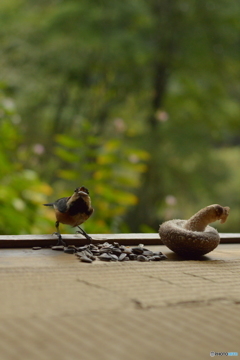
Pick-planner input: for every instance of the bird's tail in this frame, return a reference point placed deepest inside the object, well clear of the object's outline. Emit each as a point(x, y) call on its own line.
point(51, 204)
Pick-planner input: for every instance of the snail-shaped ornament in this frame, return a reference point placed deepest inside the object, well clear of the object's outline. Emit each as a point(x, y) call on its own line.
point(194, 237)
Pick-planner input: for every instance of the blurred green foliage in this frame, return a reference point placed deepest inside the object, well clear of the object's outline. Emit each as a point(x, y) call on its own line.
point(108, 167)
point(21, 191)
point(138, 101)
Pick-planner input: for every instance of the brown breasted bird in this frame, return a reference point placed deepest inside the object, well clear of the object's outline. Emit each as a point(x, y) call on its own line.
point(73, 210)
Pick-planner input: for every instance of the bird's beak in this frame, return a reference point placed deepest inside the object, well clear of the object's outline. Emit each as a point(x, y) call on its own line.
point(82, 193)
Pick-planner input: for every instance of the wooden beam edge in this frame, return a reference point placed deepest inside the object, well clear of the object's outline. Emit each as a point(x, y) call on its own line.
point(28, 241)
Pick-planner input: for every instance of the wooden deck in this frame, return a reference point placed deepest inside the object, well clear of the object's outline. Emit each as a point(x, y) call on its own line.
point(54, 307)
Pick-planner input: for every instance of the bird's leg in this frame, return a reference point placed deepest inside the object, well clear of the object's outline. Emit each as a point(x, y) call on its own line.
point(60, 240)
point(84, 234)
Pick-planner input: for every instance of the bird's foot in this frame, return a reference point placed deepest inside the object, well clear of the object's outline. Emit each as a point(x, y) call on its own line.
point(82, 232)
point(60, 240)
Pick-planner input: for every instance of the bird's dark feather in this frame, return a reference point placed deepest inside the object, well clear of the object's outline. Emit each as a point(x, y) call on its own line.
point(62, 204)
point(78, 206)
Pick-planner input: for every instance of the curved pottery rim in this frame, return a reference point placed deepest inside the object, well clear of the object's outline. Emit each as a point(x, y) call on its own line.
point(188, 243)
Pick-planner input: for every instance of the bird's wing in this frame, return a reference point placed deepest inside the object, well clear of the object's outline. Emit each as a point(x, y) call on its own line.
point(61, 204)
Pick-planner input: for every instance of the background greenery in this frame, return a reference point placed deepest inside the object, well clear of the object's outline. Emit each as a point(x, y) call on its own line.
point(137, 100)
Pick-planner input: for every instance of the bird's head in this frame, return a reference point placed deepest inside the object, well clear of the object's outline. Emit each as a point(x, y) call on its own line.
point(81, 191)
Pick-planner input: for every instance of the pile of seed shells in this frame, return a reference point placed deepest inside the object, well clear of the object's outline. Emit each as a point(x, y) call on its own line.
point(111, 252)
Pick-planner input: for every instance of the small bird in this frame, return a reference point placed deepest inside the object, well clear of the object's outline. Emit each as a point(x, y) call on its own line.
point(73, 210)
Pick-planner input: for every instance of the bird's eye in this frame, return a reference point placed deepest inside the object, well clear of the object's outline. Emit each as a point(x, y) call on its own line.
point(85, 189)
point(76, 190)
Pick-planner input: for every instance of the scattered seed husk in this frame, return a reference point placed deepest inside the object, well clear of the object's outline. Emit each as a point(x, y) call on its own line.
point(91, 256)
point(116, 251)
point(92, 246)
point(127, 251)
point(111, 252)
point(122, 256)
point(96, 253)
point(154, 258)
point(70, 251)
point(105, 250)
point(113, 257)
point(137, 250)
point(132, 256)
point(85, 259)
point(81, 248)
point(88, 251)
point(83, 253)
point(58, 247)
point(142, 258)
point(147, 253)
point(105, 257)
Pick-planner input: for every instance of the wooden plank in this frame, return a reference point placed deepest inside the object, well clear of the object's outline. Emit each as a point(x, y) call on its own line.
point(22, 241)
point(28, 241)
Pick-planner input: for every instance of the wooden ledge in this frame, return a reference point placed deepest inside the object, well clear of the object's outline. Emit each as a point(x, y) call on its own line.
point(28, 241)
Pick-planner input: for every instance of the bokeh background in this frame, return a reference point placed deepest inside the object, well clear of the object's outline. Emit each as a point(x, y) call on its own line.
point(138, 100)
